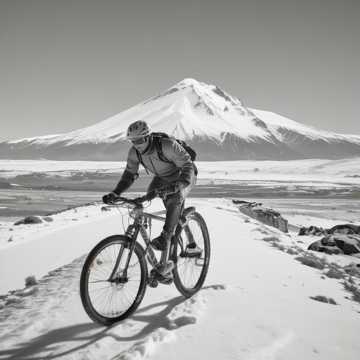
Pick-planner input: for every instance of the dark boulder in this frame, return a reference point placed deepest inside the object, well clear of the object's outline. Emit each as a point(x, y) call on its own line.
point(345, 229)
point(312, 230)
point(337, 229)
point(29, 220)
point(347, 244)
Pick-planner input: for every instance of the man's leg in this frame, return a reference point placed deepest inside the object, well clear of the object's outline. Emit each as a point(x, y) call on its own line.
point(156, 183)
point(174, 204)
point(191, 248)
point(159, 242)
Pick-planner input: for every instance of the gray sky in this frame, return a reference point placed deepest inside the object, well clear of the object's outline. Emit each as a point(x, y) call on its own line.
point(68, 64)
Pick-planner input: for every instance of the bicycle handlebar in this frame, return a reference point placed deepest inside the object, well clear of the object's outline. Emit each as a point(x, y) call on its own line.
point(148, 197)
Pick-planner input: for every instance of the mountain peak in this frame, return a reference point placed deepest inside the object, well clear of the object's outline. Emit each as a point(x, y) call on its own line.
point(188, 82)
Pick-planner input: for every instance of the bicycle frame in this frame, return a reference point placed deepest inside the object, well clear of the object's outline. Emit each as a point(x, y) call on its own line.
point(139, 225)
point(129, 262)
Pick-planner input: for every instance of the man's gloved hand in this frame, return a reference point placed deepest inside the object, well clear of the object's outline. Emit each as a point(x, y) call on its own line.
point(110, 198)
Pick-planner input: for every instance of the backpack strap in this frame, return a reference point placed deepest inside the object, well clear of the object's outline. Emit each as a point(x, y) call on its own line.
point(158, 146)
point(162, 157)
point(140, 160)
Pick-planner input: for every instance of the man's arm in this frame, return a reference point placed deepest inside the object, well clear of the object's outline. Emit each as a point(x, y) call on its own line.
point(180, 157)
point(130, 173)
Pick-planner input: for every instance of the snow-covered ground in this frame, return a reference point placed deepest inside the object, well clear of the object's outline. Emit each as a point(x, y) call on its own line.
point(236, 170)
point(257, 302)
point(308, 173)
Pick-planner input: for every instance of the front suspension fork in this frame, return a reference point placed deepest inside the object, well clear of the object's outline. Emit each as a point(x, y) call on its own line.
point(134, 231)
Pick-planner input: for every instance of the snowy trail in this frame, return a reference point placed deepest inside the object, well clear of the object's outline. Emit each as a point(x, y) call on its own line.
point(48, 323)
point(255, 305)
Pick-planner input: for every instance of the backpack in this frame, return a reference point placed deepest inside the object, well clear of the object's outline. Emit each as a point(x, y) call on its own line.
point(157, 136)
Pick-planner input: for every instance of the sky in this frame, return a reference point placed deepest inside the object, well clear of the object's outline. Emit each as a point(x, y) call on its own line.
point(67, 64)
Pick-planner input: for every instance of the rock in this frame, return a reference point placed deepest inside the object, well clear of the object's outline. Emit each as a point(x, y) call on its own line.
point(48, 218)
point(337, 229)
point(312, 230)
point(324, 299)
point(345, 229)
point(260, 213)
point(349, 244)
point(29, 220)
point(337, 244)
point(318, 246)
point(30, 281)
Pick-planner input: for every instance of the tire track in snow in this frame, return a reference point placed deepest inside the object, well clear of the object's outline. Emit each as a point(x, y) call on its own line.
point(30, 316)
point(270, 351)
point(33, 311)
point(161, 327)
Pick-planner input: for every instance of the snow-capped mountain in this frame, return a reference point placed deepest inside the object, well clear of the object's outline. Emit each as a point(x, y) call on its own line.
point(219, 126)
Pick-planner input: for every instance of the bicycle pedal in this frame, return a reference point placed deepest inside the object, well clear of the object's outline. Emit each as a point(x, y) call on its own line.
point(153, 283)
point(185, 254)
point(165, 280)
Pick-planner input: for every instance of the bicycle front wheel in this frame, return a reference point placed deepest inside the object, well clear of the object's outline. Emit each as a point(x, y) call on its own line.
point(190, 271)
point(106, 300)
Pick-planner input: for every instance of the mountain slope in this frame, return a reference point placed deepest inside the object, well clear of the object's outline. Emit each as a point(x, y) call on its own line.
point(217, 124)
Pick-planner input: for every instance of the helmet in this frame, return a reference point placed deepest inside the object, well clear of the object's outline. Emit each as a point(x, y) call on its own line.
point(137, 129)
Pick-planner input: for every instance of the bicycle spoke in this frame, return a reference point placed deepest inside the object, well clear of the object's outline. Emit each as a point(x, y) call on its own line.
point(190, 269)
point(115, 298)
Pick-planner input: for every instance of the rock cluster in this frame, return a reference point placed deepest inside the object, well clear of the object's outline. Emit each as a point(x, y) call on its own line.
point(337, 244)
point(340, 239)
point(265, 215)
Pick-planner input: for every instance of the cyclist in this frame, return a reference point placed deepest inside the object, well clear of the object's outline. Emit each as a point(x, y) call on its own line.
point(177, 174)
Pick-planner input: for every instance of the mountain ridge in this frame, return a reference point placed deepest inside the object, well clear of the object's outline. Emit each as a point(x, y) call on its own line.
point(216, 123)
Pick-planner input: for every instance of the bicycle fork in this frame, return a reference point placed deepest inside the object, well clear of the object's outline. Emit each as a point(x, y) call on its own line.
point(132, 232)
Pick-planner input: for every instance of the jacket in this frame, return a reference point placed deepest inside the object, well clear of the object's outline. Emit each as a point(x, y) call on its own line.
point(181, 167)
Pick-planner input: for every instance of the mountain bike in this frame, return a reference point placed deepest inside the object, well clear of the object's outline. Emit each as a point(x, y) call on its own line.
point(115, 273)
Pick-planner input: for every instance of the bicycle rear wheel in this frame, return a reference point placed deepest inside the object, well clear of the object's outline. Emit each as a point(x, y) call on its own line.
point(190, 272)
point(108, 301)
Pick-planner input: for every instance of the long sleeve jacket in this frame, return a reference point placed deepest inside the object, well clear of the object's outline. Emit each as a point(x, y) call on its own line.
point(179, 168)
